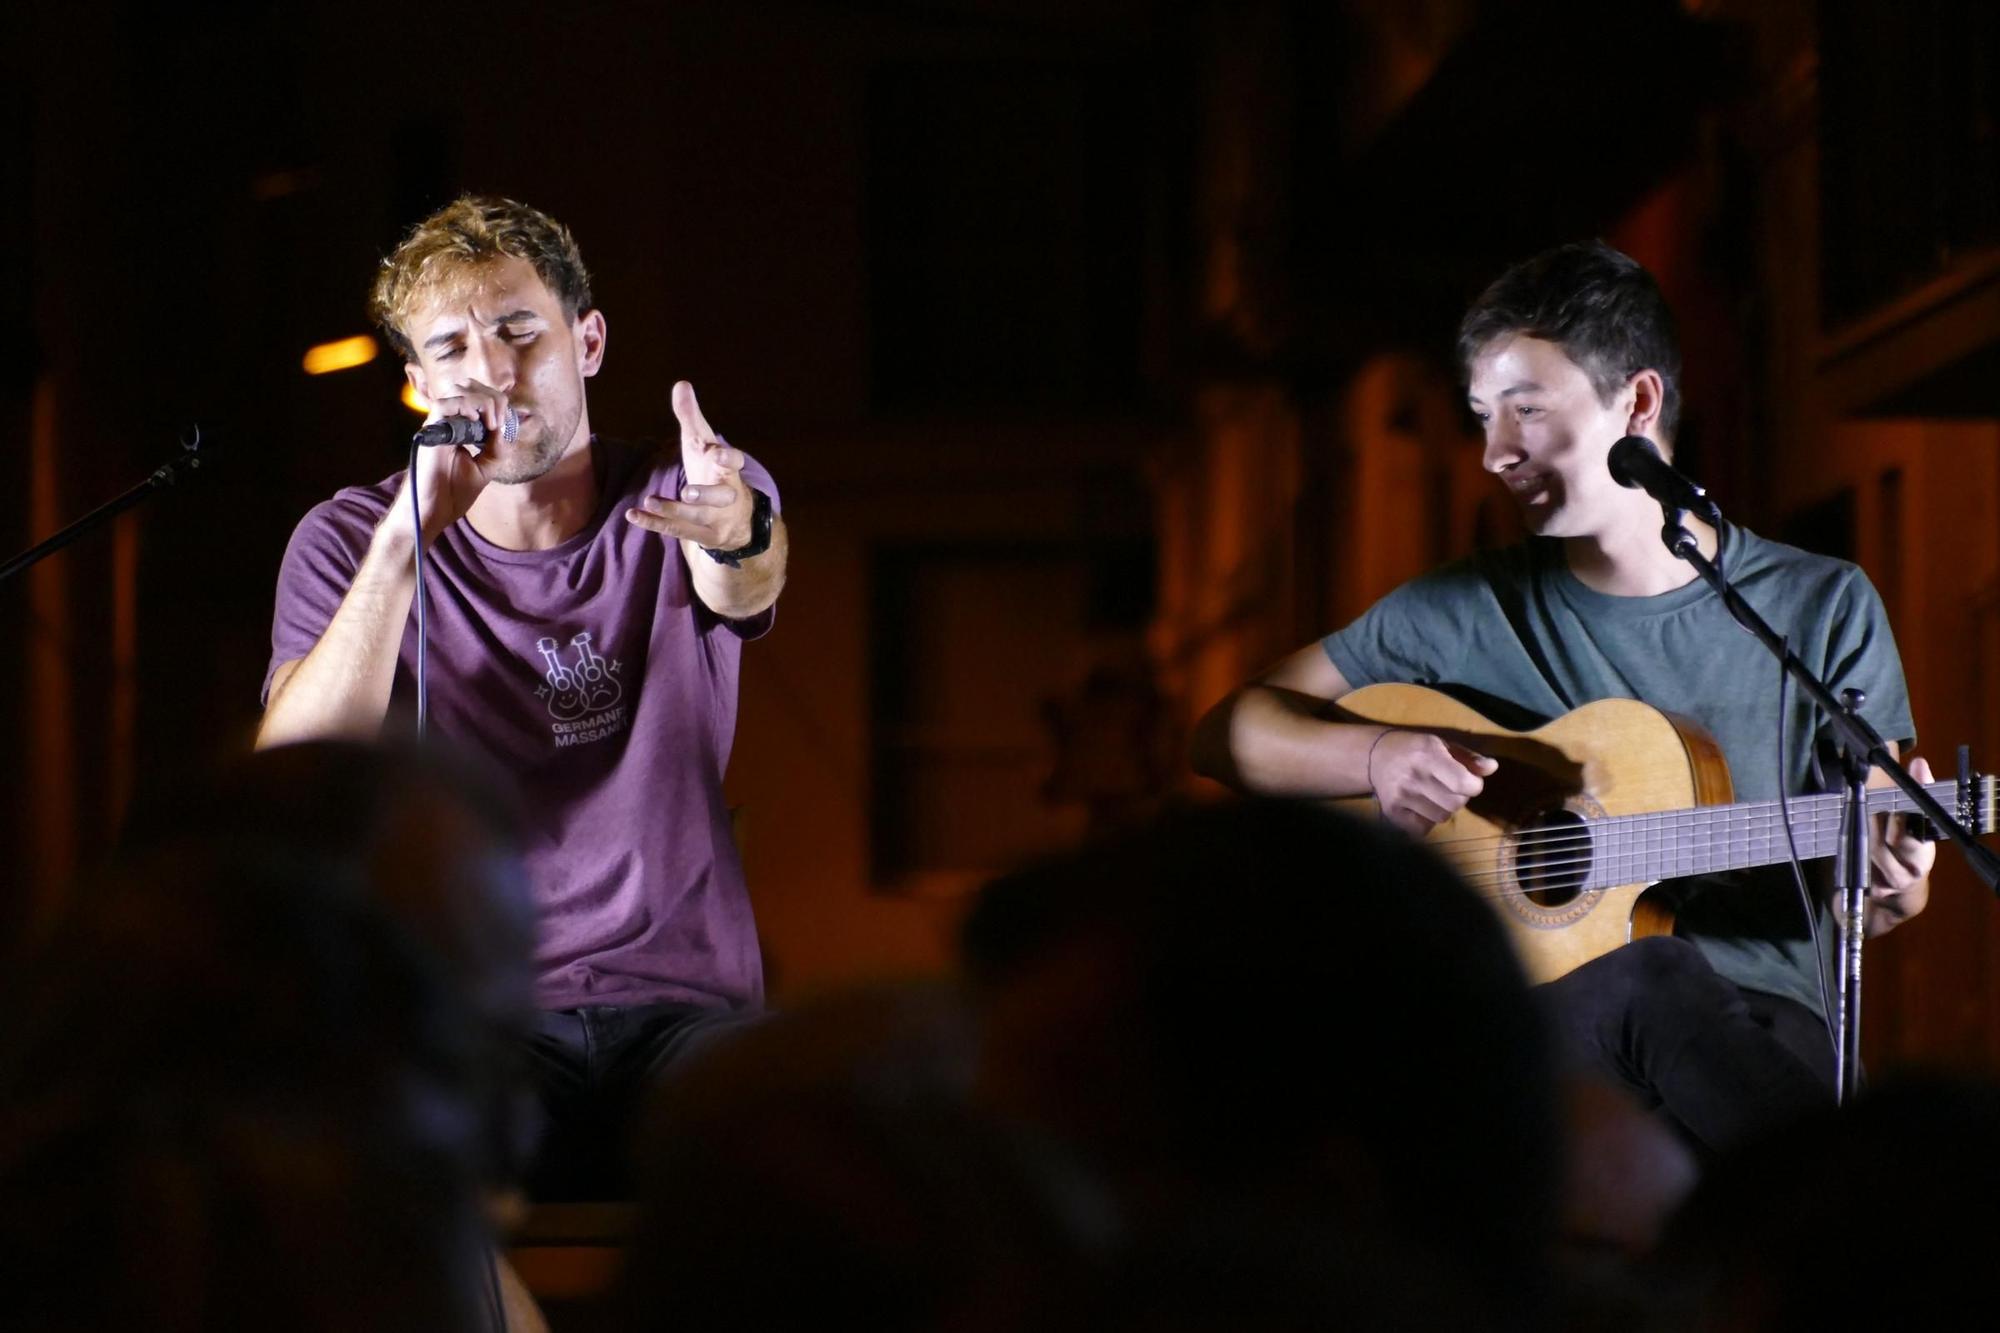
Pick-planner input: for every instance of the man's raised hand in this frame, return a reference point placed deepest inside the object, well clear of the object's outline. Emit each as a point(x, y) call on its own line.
point(714, 506)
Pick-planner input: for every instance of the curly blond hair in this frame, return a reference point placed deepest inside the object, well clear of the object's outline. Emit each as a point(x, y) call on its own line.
point(469, 232)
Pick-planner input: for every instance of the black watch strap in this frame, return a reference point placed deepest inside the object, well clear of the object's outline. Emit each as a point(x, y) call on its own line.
point(760, 534)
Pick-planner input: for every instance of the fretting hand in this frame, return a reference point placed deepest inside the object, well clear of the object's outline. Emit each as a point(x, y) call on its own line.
point(1899, 866)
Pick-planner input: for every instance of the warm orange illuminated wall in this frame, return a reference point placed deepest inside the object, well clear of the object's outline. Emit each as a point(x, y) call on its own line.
point(801, 769)
point(1926, 497)
point(48, 710)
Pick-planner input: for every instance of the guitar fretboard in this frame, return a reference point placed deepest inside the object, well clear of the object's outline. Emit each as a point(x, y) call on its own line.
point(1630, 849)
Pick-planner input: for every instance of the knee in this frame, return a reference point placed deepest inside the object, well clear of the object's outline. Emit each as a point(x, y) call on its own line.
point(1662, 962)
point(1668, 980)
point(1644, 970)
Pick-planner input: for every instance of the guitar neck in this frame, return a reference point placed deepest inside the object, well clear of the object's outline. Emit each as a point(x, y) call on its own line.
point(1707, 840)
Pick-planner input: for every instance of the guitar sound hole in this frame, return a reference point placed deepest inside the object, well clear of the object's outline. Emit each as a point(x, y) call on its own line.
point(1552, 857)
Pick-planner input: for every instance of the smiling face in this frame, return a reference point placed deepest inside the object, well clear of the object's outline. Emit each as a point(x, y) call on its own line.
point(1548, 434)
point(497, 324)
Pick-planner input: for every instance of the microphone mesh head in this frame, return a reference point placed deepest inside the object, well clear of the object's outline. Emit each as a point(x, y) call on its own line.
point(1625, 456)
point(510, 425)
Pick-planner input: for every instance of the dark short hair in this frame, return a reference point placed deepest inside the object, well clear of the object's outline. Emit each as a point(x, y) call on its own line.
point(1597, 304)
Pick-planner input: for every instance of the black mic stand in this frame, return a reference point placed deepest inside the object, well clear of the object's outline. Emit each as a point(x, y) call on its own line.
point(161, 477)
point(1861, 747)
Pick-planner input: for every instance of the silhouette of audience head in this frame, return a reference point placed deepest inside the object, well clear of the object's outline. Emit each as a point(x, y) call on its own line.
point(235, 1093)
point(1903, 1182)
point(424, 834)
point(825, 1169)
point(431, 836)
point(1270, 1001)
point(265, 1068)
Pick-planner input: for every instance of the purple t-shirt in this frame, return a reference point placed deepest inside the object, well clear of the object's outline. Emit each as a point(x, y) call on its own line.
point(593, 675)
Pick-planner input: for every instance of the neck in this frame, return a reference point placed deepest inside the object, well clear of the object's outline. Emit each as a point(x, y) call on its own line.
point(546, 512)
point(1630, 560)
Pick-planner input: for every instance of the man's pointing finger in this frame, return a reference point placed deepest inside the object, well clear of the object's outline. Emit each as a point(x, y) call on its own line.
point(694, 426)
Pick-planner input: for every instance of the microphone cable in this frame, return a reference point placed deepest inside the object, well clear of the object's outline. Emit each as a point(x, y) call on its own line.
point(1798, 870)
point(417, 517)
point(509, 424)
point(496, 1305)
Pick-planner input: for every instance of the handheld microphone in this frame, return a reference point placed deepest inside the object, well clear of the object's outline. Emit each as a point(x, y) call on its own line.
point(467, 430)
point(1635, 463)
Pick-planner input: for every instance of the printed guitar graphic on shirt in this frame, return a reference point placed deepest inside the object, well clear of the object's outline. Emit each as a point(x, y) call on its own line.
point(583, 686)
point(1586, 813)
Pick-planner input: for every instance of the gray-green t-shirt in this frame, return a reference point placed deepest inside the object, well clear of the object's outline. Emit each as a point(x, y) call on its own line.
point(1516, 634)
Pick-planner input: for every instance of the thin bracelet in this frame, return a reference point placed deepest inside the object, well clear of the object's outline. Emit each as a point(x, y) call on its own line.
point(1368, 769)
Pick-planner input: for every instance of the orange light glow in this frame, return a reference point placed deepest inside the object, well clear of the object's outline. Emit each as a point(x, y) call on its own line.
point(414, 400)
point(344, 354)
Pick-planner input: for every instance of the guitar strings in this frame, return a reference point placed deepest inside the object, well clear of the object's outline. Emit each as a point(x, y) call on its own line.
point(1621, 841)
point(1881, 801)
point(1744, 826)
point(1552, 854)
point(1702, 819)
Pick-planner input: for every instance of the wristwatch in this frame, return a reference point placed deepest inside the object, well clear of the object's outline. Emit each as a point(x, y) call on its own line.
point(760, 534)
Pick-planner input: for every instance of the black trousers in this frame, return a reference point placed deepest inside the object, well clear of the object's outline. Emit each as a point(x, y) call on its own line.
point(1721, 1062)
point(594, 1069)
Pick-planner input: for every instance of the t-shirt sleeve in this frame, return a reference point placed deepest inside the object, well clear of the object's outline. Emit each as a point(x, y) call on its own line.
point(319, 566)
point(1861, 653)
point(1415, 635)
point(757, 626)
point(756, 475)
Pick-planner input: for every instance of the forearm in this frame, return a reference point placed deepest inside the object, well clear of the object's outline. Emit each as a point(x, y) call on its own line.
point(736, 594)
point(1270, 741)
point(341, 688)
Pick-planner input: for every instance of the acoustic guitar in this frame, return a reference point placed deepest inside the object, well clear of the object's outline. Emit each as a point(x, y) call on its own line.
point(1588, 812)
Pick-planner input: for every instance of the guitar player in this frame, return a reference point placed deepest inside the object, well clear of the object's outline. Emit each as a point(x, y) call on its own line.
point(1718, 1026)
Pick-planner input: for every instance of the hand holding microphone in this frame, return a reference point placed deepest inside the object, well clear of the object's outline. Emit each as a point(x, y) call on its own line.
point(468, 415)
point(446, 481)
point(467, 430)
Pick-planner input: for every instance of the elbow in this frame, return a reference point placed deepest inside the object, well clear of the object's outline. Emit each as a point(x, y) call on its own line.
point(1209, 751)
point(281, 726)
point(739, 598)
point(744, 609)
point(745, 591)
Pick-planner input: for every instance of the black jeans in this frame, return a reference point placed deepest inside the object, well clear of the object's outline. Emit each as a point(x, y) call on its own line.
point(594, 1069)
point(1722, 1063)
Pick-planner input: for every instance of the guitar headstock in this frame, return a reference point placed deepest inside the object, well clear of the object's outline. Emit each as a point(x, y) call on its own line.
point(1979, 804)
point(1973, 799)
point(1976, 800)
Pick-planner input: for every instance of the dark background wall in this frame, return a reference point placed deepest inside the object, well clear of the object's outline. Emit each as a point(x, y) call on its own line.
point(1100, 350)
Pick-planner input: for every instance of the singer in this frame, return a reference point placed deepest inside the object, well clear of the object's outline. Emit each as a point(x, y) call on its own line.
point(1719, 1026)
point(588, 602)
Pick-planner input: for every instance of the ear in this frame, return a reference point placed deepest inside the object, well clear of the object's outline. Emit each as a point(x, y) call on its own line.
point(1649, 400)
point(414, 373)
point(590, 332)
